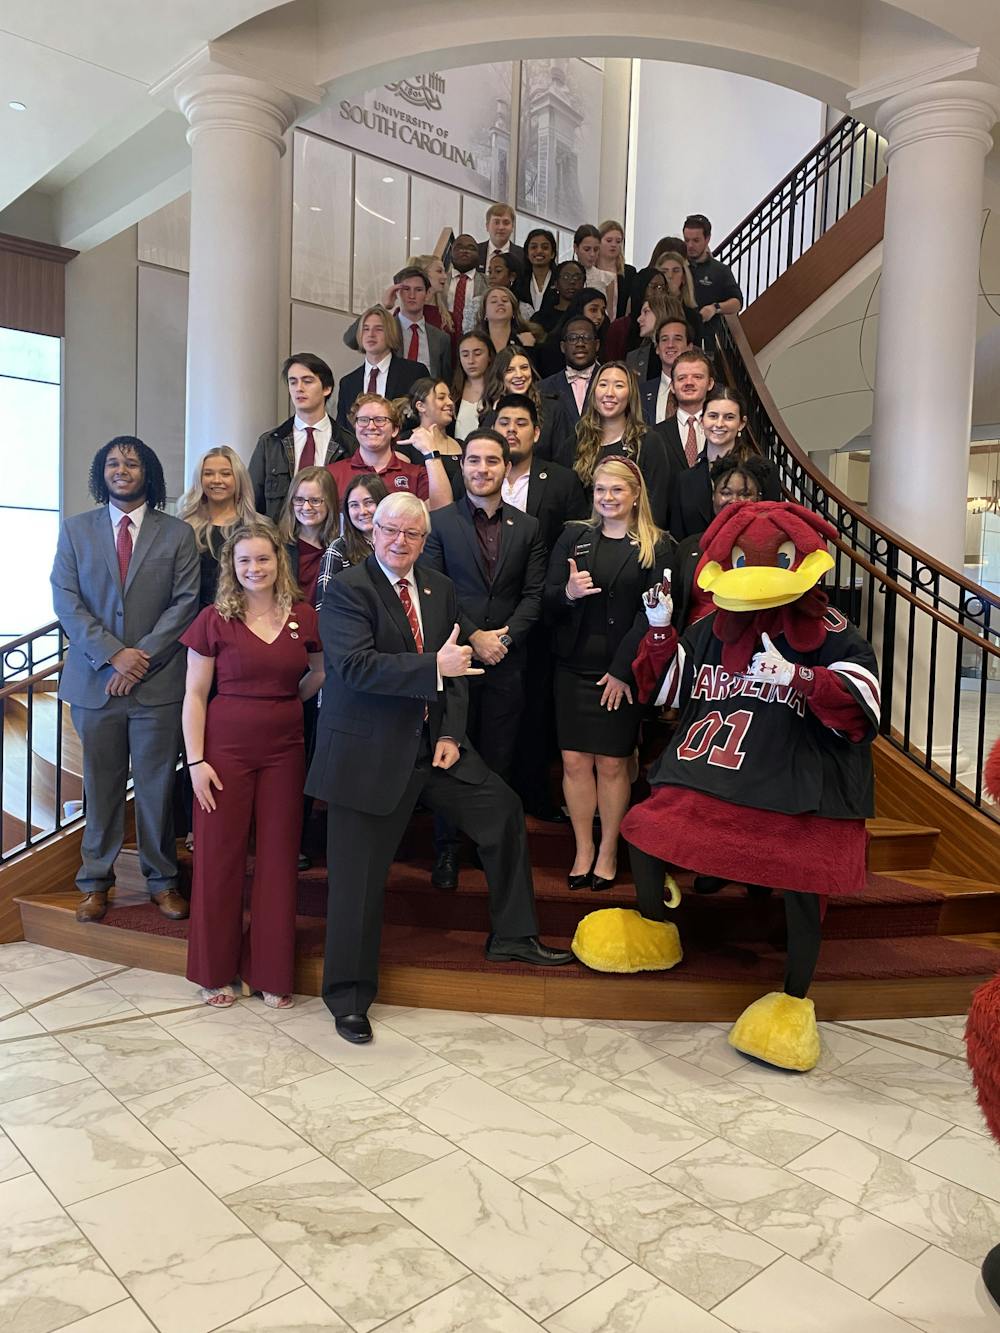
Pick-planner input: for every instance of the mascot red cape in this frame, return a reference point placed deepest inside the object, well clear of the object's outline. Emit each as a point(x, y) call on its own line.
point(768, 778)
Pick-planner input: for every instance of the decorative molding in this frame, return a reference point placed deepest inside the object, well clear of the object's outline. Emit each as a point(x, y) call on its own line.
point(22, 245)
point(957, 109)
point(970, 61)
point(221, 60)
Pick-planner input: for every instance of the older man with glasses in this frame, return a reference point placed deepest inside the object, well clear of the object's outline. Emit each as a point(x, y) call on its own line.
point(392, 732)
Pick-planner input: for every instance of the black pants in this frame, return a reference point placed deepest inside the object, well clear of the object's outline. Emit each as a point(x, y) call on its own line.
point(360, 849)
point(495, 703)
point(537, 748)
point(803, 918)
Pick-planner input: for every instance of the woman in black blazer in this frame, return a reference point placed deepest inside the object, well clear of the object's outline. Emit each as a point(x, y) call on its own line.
point(597, 575)
point(724, 420)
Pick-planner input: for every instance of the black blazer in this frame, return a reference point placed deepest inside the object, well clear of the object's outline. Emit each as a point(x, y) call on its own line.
point(657, 470)
point(377, 687)
point(685, 562)
point(402, 376)
point(625, 281)
point(626, 618)
point(515, 254)
point(557, 440)
point(514, 598)
point(649, 391)
point(691, 501)
point(555, 495)
point(559, 386)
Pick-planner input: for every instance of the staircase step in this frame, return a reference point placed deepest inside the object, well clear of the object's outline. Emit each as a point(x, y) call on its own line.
point(970, 905)
point(897, 845)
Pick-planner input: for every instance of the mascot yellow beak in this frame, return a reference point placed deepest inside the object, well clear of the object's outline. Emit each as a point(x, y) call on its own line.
point(756, 587)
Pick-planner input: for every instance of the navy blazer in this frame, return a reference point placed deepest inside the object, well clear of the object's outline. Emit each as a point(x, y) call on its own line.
point(559, 385)
point(378, 687)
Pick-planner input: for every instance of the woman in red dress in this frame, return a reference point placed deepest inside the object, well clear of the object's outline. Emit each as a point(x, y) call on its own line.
point(260, 644)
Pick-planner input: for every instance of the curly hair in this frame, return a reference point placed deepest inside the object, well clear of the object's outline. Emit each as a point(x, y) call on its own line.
point(589, 433)
point(152, 471)
point(231, 599)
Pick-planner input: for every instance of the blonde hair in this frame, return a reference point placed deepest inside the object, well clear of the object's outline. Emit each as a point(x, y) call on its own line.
point(641, 527)
point(517, 324)
point(193, 504)
point(393, 336)
point(438, 299)
point(589, 433)
point(231, 598)
point(612, 225)
point(289, 524)
point(687, 286)
point(499, 211)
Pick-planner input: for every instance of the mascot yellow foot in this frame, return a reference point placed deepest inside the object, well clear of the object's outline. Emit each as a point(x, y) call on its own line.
point(620, 940)
point(780, 1030)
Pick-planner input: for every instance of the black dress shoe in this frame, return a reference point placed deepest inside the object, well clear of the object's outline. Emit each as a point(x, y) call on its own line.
point(444, 874)
point(527, 950)
point(581, 881)
point(600, 884)
point(709, 883)
point(353, 1027)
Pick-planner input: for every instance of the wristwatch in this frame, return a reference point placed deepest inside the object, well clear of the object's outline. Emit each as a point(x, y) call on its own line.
point(434, 453)
point(718, 307)
point(506, 640)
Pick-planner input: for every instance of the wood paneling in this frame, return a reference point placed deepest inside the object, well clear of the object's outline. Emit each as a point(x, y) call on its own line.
point(823, 264)
point(40, 870)
point(33, 286)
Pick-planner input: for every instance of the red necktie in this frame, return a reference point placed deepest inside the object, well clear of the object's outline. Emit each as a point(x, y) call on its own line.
point(124, 547)
point(459, 311)
point(373, 380)
point(691, 444)
point(413, 351)
point(411, 613)
point(308, 458)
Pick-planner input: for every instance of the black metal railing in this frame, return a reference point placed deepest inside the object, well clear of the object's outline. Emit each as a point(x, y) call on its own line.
point(815, 194)
point(40, 775)
point(936, 633)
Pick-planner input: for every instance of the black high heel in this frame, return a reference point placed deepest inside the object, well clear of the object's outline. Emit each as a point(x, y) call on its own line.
point(599, 884)
point(585, 881)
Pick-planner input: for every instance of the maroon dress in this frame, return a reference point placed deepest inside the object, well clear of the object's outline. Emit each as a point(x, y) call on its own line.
point(253, 740)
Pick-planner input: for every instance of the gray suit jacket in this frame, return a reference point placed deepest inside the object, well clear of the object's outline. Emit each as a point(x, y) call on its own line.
point(158, 602)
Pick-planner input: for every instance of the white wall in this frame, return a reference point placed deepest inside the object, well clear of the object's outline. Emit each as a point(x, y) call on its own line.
point(709, 142)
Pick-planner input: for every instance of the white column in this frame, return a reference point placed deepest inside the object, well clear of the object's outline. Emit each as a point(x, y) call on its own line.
point(237, 128)
point(938, 137)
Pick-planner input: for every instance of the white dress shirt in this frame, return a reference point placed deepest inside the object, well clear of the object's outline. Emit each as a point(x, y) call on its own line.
point(466, 419)
point(661, 399)
point(682, 425)
point(382, 368)
point(322, 431)
point(423, 352)
point(411, 583)
point(601, 279)
point(469, 311)
point(537, 293)
point(117, 515)
point(516, 493)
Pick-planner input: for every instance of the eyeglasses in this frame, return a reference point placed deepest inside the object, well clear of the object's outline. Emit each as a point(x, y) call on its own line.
point(392, 533)
point(369, 423)
point(308, 504)
point(579, 338)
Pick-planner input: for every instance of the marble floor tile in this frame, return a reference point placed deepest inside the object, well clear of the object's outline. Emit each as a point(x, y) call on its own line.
point(500, 1130)
point(788, 1297)
point(189, 1263)
point(33, 1066)
point(365, 1135)
point(470, 1306)
point(938, 1293)
point(958, 1069)
point(19, 1025)
point(906, 1037)
point(938, 1093)
point(125, 1317)
point(968, 1159)
point(95, 1003)
point(727, 1109)
point(82, 1141)
point(633, 1301)
point(947, 1215)
point(826, 1232)
point(537, 1259)
point(645, 1135)
point(600, 1049)
point(300, 1311)
point(151, 992)
point(29, 985)
point(836, 1047)
point(20, 954)
point(390, 1058)
point(487, 1050)
point(359, 1255)
point(131, 1059)
point(849, 1107)
point(304, 1004)
point(254, 1055)
point(8, 1005)
point(49, 1274)
point(221, 1134)
point(954, 1026)
point(690, 1248)
point(12, 1164)
point(703, 1045)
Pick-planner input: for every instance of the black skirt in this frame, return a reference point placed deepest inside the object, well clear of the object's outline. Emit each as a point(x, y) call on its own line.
point(583, 725)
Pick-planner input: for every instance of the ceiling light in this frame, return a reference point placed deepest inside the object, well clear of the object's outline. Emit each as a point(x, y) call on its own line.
point(315, 208)
point(386, 180)
point(17, 106)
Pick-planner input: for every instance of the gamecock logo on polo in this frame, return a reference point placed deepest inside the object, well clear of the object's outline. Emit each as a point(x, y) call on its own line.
point(424, 90)
point(402, 483)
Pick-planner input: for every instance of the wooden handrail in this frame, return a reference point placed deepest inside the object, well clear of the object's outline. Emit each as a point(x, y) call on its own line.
point(19, 686)
point(50, 628)
point(846, 503)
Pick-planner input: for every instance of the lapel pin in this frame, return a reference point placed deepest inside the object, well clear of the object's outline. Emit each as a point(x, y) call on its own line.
point(510, 523)
point(542, 476)
point(426, 592)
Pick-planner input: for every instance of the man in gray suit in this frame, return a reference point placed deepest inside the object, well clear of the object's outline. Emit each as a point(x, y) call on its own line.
point(125, 586)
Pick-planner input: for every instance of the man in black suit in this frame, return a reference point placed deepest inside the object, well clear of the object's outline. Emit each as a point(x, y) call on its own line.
point(493, 554)
point(500, 227)
point(579, 348)
point(392, 732)
point(309, 438)
point(672, 337)
point(383, 370)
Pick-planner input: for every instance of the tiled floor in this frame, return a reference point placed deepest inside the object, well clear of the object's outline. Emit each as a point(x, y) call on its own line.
point(168, 1167)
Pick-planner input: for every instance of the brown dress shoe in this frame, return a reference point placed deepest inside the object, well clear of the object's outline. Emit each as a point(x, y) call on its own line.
point(92, 906)
point(173, 906)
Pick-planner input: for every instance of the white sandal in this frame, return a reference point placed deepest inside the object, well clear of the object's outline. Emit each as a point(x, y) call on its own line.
point(218, 997)
point(277, 1001)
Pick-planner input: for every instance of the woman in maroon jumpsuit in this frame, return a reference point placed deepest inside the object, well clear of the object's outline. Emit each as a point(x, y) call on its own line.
point(261, 646)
